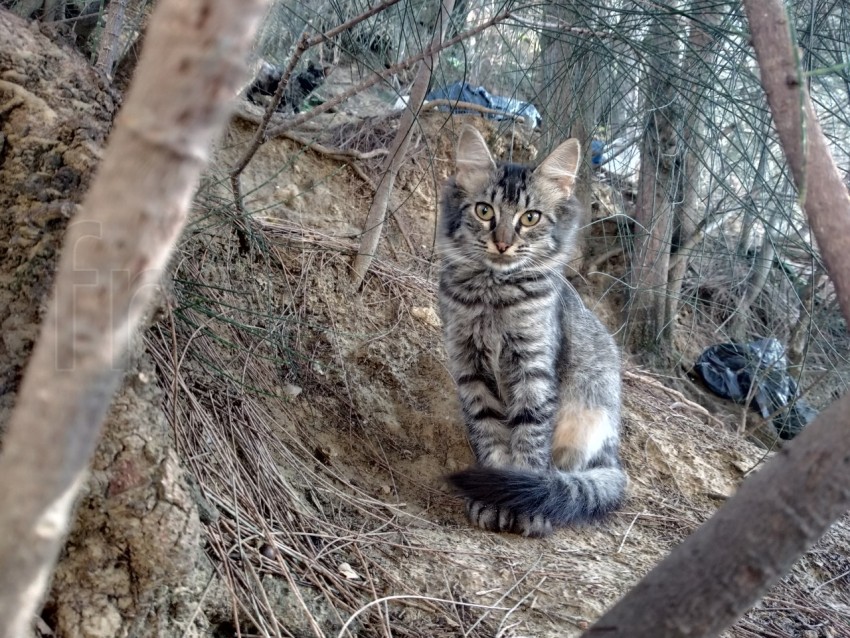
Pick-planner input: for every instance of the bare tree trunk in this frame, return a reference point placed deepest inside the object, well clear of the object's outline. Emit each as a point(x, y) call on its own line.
point(86, 22)
point(727, 565)
point(764, 264)
point(53, 10)
point(824, 196)
point(751, 206)
point(697, 67)
point(659, 188)
point(110, 39)
point(110, 266)
point(125, 66)
point(737, 320)
point(798, 341)
point(397, 152)
point(571, 69)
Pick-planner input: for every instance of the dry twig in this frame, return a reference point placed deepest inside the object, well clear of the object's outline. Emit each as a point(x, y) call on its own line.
point(398, 151)
point(456, 105)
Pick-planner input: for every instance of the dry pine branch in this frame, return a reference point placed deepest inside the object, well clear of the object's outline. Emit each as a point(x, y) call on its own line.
point(397, 152)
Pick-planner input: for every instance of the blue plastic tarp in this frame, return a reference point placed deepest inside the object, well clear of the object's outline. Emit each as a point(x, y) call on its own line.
point(465, 92)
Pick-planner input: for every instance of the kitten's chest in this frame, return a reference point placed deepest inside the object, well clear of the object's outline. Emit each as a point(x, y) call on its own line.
point(487, 330)
point(501, 340)
point(486, 318)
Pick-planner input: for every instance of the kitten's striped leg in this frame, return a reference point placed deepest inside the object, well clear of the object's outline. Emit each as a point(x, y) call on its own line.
point(483, 414)
point(532, 389)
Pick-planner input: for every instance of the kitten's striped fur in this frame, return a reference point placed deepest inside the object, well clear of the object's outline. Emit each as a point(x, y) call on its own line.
point(537, 373)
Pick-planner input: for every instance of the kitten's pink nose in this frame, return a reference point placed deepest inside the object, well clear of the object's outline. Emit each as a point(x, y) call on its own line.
point(502, 246)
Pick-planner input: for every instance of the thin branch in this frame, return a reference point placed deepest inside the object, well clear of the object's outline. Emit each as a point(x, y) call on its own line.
point(562, 26)
point(349, 156)
point(343, 154)
point(259, 134)
point(304, 43)
point(384, 74)
point(594, 264)
point(398, 151)
point(345, 26)
point(470, 106)
point(706, 226)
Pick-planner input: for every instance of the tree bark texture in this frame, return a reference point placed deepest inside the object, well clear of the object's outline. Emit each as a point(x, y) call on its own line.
point(110, 39)
point(398, 151)
point(698, 66)
point(721, 570)
point(822, 193)
point(727, 565)
point(659, 187)
point(571, 93)
point(758, 280)
point(111, 261)
point(137, 510)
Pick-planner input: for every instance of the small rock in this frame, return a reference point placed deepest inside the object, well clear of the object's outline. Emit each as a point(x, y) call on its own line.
point(268, 551)
point(427, 315)
point(291, 390)
point(346, 570)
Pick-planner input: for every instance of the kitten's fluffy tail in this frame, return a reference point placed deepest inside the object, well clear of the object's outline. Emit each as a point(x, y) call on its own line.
point(562, 497)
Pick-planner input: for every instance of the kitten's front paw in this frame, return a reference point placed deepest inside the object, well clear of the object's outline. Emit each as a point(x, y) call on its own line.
point(489, 517)
point(498, 456)
point(536, 526)
point(500, 519)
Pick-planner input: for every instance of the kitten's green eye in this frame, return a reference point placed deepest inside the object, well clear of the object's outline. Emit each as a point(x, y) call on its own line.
point(484, 211)
point(529, 217)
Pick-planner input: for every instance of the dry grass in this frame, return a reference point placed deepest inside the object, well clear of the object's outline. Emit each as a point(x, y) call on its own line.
point(274, 508)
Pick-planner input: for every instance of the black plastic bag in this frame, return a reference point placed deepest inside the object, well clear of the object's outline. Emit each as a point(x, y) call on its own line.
point(731, 370)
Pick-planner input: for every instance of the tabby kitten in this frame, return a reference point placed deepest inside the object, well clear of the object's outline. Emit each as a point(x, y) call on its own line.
point(537, 373)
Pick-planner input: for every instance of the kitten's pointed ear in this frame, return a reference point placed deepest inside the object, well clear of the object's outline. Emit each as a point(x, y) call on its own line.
point(473, 162)
point(561, 165)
